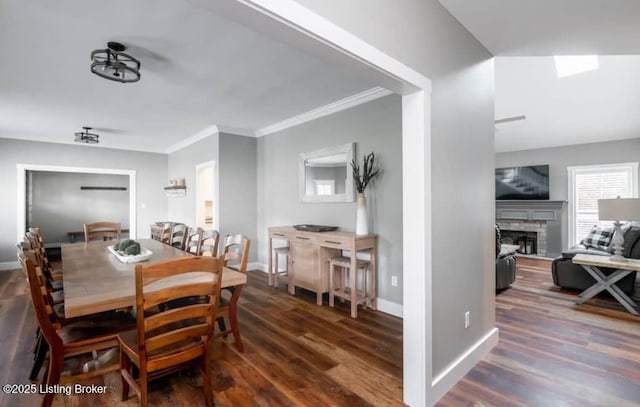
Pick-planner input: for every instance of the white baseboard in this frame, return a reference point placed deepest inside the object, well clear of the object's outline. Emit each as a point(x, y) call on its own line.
point(258, 266)
point(391, 308)
point(462, 365)
point(10, 265)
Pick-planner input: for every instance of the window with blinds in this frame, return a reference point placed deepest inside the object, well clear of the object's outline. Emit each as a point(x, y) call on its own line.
point(587, 184)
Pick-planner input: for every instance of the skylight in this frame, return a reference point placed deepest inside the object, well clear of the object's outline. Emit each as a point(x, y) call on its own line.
point(575, 64)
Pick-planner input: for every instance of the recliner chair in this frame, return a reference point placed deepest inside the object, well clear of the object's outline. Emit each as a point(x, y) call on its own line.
point(505, 264)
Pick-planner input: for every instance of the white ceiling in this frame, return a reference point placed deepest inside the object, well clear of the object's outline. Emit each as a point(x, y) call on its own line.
point(593, 106)
point(551, 27)
point(198, 70)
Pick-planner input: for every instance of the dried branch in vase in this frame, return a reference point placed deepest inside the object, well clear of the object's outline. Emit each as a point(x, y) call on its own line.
point(370, 170)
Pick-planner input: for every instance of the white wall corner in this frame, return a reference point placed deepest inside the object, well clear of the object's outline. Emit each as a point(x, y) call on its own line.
point(331, 108)
point(9, 265)
point(389, 307)
point(453, 373)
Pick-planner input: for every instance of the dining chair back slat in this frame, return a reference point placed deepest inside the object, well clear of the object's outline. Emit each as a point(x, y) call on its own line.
point(102, 230)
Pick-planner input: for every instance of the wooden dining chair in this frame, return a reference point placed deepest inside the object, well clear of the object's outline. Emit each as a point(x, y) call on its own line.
point(155, 231)
point(235, 255)
point(102, 230)
point(179, 234)
point(165, 232)
point(70, 340)
point(209, 244)
point(53, 283)
point(236, 252)
point(37, 243)
point(166, 340)
point(194, 241)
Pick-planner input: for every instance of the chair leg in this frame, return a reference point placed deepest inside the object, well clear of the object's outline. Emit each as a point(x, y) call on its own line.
point(233, 318)
point(41, 352)
point(332, 287)
point(125, 365)
point(53, 376)
point(144, 388)
point(206, 381)
point(222, 325)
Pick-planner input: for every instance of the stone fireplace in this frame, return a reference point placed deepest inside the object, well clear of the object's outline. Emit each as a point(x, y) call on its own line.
point(540, 221)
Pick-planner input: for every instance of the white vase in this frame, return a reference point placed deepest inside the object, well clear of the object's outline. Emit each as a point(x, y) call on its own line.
point(362, 228)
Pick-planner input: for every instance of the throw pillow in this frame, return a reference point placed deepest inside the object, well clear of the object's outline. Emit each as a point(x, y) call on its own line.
point(599, 238)
point(630, 238)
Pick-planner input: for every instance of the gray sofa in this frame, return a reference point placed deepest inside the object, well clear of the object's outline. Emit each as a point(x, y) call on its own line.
point(566, 274)
point(505, 264)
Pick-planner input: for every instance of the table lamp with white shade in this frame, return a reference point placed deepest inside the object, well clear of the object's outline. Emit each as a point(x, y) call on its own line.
point(618, 209)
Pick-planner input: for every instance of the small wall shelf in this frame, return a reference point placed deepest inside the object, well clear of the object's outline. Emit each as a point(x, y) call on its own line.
point(175, 190)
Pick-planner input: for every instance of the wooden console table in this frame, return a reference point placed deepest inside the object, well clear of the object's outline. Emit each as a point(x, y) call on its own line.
point(592, 263)
point(309, 254)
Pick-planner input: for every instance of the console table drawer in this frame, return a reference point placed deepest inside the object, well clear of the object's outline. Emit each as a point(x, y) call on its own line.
point(304, 239)
point(334, 242)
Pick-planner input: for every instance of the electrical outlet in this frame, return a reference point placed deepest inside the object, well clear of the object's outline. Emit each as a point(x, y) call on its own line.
point(394, 281)
point(467, 319)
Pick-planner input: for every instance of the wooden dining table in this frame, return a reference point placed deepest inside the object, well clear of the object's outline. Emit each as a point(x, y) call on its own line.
point(96, 281)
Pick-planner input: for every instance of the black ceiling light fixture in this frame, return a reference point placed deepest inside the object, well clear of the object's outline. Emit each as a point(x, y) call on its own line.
point(86, 136)
point(113, 64)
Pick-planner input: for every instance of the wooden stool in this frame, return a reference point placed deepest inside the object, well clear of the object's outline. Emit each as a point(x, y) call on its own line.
point(351, 293)
point(274, 272)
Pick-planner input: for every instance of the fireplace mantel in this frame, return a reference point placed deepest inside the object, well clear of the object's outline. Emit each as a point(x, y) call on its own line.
point(529, 210)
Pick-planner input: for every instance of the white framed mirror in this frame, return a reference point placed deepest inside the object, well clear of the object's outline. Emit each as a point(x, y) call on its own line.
point(325, 175)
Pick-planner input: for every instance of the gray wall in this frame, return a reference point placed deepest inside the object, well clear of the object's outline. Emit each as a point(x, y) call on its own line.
point(182, 164)
point(151, 176)
point(559, 158)
point(235, 158)
point(423, 35)
point(238, 199)
point(375, 126)
point(60, 206)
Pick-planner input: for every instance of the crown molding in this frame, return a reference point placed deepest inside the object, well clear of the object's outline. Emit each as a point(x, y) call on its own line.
point(236, 130)
point(343, 104)
point(204, 133)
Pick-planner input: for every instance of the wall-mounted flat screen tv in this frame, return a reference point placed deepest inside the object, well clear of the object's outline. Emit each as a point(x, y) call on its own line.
point(531, 182)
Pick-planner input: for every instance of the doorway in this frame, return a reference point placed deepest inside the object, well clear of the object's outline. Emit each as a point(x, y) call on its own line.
point(23, 170)
point(206, 193)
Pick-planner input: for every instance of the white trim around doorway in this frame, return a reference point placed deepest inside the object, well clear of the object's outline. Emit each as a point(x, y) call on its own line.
point(21, 170)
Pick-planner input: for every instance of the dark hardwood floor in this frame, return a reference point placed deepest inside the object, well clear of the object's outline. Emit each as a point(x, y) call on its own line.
point(296, 354)
point(551, 353)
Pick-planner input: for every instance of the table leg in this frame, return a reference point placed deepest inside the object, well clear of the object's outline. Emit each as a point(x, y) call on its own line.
point(270, 263)
point(604, 282)
point(233, 317)
point(353, 273)
point(374, 276)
